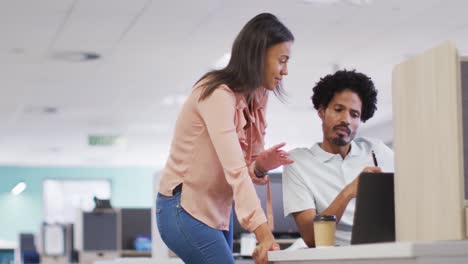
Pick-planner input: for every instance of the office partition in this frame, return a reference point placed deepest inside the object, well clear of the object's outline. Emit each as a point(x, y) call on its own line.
point(428, 144)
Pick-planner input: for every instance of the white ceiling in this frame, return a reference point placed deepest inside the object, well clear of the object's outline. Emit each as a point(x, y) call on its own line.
point(153, 51)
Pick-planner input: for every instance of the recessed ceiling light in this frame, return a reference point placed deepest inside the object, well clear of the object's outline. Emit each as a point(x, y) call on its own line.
point(40, 109)
point(50, 110)
point(76, 56)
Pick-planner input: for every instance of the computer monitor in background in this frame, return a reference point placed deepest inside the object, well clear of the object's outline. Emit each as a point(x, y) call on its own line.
point(7, 256)
point(136, 229)
point(284, 227)
point(97, 236)
point(100, 231)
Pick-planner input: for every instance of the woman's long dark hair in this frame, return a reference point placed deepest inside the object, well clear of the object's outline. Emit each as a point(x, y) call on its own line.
point(244, 72)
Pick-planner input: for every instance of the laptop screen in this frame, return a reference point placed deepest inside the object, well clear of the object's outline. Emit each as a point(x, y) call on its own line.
point(374, 215)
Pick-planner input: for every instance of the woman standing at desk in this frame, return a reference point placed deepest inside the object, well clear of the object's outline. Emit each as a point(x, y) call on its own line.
point(217, 150)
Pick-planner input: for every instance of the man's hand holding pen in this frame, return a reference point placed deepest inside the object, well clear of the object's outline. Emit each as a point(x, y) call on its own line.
point(351, 189)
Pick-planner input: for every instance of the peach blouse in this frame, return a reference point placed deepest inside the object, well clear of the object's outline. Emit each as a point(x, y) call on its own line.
point(215, 143)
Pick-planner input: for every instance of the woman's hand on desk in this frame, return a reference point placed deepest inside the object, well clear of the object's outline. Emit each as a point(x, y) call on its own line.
point(260, 254)
point(266, 243)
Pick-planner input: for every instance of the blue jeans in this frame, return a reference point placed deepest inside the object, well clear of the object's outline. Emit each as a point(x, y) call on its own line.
point(191, 240)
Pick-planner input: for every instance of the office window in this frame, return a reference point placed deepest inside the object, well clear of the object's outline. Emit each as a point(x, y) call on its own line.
point(64, 198)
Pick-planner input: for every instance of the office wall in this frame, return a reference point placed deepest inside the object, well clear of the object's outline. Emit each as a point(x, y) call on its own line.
point(131, 187)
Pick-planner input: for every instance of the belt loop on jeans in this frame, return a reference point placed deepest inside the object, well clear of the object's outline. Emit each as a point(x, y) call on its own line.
point(177, 189)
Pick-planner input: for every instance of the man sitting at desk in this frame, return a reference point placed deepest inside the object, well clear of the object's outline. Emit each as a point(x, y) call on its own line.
point(323, 179)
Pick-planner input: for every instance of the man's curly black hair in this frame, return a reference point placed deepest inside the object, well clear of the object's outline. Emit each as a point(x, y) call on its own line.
point(357, 82)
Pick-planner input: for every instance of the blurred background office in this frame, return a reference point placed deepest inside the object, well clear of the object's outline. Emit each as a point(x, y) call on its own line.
point(89, 93)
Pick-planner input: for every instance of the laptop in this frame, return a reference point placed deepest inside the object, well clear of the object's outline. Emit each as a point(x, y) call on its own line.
point(374, 215)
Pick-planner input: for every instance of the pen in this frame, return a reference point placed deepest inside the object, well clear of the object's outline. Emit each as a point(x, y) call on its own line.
point(375, 159)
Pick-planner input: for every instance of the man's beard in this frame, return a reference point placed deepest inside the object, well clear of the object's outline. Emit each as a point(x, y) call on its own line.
point(340, 141)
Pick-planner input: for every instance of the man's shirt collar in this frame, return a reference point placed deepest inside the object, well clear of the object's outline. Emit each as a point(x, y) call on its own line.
point(324, 156)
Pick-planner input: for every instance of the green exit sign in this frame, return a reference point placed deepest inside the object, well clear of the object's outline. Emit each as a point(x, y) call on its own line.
point(105, 140)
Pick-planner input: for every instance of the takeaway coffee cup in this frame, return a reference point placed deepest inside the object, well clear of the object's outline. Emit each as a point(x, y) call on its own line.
point(324, 230)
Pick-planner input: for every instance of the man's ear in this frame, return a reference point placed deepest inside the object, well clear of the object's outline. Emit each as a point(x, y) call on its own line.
point(321, 112)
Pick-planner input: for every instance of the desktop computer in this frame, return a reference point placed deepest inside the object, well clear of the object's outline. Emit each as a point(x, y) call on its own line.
point(135, 229)
point(97, 235)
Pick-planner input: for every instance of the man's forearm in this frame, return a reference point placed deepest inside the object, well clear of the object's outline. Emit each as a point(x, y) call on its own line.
point(338, 206)
point(304, 219)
